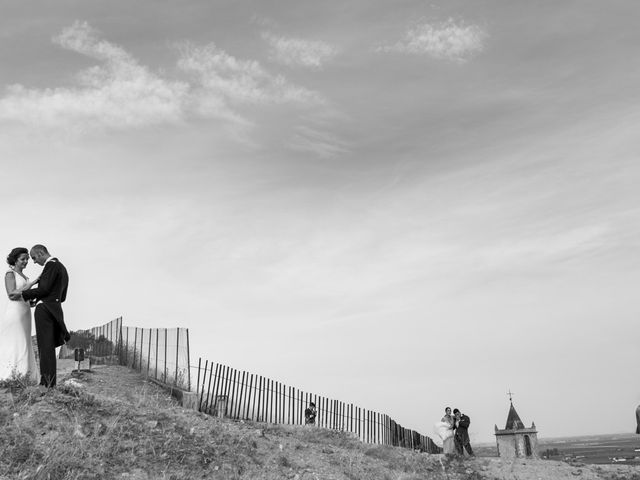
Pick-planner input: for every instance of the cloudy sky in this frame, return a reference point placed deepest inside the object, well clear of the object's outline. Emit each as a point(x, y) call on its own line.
point(399, 204)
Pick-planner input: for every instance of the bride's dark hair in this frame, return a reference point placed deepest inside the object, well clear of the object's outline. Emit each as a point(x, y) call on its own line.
point(12, 258)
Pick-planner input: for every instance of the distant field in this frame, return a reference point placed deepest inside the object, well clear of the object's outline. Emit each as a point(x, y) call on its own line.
point(621, 448)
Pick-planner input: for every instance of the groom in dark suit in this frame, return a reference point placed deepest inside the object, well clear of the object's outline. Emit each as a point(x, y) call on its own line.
point(51, 331)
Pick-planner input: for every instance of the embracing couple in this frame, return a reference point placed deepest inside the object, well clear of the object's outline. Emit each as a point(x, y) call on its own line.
point(453, 430)
point(46, 293)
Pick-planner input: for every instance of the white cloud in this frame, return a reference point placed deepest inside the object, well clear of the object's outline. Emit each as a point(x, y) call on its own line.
point(298, 52)
point(228, 80)
point(448, 40)
point(118, 93)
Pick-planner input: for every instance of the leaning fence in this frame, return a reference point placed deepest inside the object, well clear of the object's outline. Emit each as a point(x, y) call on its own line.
point(240, 395)
point(163, 354)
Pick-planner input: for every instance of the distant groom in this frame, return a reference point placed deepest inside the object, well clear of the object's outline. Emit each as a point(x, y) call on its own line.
point(51, 331)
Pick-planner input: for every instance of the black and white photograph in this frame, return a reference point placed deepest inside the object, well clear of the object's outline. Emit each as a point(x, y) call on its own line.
point(313, 240)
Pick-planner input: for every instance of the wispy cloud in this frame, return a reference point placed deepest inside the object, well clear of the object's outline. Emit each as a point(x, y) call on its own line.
point(229, 80)
point(299, 52)
point(320, 142)
point(553, 246)
point(448, 40)
point(118, 93)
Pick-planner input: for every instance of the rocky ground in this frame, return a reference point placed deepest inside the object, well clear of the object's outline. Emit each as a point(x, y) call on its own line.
point(111, 423)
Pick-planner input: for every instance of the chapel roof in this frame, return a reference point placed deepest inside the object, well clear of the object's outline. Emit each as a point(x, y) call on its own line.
point(513, 420)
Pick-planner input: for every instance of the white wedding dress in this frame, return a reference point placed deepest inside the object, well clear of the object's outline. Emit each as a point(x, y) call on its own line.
point(16, 348)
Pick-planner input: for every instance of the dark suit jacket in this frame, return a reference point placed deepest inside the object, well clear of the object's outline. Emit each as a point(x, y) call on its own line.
point(462, 429)
point(464, 422)
point(52, 291)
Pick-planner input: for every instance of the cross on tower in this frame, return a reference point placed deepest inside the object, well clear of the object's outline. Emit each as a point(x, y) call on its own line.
point(510, 395)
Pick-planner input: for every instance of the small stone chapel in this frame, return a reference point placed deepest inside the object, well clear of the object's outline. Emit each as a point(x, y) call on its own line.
point(516, 440)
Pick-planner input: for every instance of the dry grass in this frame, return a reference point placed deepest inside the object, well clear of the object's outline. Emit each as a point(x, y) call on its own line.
point(112, 424)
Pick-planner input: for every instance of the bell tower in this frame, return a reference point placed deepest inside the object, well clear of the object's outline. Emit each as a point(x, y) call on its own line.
point(516, 440)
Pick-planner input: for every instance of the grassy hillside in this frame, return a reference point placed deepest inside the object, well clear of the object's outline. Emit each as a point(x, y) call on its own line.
point(112, 424)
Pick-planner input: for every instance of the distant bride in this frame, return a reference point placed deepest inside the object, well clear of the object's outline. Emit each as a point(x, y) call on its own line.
point(444, 430)
point(16, 350)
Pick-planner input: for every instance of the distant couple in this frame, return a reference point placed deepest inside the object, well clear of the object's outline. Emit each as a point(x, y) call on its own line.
point(454, 432)
point(46, 293)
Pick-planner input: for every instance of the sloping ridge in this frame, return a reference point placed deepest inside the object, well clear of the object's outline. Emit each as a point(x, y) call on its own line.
point(112, 423)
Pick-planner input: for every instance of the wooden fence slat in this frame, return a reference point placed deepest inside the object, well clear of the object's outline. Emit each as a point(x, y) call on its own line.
point(188, 363)
point(135, 345)
point(206, 364)
point(234, 387)
point(204, 402)
point(216, 387)
point(283, 402)
point(263, 392)
point(241, 399)
point(289, 405)
point(207, 403)
point(149, 354)
point(234, 393)
point(270, 407)
point(249, 392)
point(258, 417)
point(175, 382)
point(351, 417)
point(228, 388)
point(156, 367)
point(375, 428)
point(229, 391)
point(224, 390)
point(265, 399)
point(141, 346)
point(165, 373)
point(276, 399)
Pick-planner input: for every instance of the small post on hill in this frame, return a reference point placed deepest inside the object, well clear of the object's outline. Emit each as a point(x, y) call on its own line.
point(78, 356)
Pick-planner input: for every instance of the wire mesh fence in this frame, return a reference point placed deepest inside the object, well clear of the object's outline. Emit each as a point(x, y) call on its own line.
point(102, 344)
point(159, 353)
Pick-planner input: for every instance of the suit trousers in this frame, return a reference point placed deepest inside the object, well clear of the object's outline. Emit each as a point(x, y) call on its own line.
point(462, 442)
point(45, 334)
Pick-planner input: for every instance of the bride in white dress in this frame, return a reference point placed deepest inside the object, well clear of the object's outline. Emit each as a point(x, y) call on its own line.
point(445, 430)
point(16, 348)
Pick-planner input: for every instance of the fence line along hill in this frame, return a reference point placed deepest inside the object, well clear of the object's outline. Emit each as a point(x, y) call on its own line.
point(163, 355)
point(115, 422)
